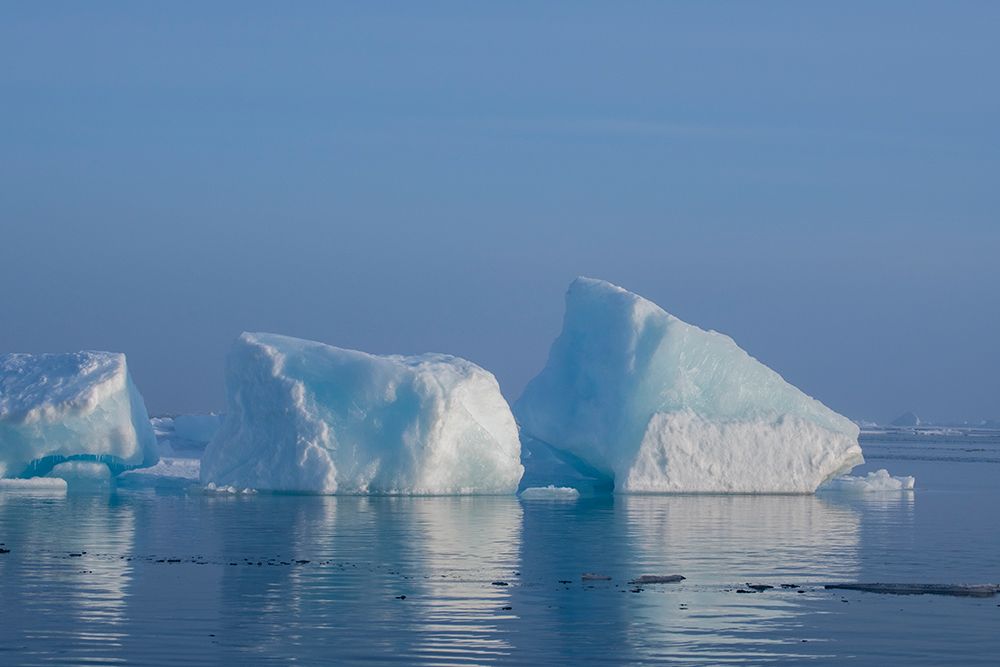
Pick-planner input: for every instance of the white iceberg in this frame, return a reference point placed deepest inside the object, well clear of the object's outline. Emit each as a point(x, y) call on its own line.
point(873, 482)
point(307, 417)
point(659, 405)
point(78, 406)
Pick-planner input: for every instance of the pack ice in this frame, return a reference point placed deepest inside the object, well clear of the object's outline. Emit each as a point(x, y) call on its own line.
point(307, 417)
point(660, 405)
point(79, 406)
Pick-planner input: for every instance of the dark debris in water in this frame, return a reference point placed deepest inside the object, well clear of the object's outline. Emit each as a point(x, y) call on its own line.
point(760, 588)
point(657, 579)
point(959, 590)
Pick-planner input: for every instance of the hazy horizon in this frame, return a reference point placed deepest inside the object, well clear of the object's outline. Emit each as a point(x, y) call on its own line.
point(817, 183)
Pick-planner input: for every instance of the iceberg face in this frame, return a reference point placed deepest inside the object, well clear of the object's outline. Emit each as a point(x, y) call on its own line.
point(307, 417)
point(79, 406)
point(660, 405)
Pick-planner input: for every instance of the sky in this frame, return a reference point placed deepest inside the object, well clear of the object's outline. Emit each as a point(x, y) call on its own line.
point(821, 181)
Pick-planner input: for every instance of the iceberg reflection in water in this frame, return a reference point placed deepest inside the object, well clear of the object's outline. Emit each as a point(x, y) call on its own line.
point(171, 578)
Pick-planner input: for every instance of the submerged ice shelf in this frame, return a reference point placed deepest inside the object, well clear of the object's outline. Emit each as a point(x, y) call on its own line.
point(73, 407)
point(308, 417)
point(658, 405)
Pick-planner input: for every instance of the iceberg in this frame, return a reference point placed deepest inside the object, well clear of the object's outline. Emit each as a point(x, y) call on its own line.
point(659, 405)
point(79, 406)
point(307, 417)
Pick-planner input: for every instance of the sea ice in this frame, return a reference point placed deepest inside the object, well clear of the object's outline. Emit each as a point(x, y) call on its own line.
point(880, 480)
point(34, 484)
point(76, 406)
point(169, 472)
point(550, 492)
point(659, 405)
point(307, 417)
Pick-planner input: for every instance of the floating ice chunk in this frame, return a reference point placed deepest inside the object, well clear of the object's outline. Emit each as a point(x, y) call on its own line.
point(34, 484)
point(663, 406)
point(880, 480)
point(308, 417)
point(212, 487)
point(169, 472)
point(550, 492)
point(81, 405)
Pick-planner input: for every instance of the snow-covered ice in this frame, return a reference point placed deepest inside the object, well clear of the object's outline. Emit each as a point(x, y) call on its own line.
point(550, 492)
point(659, 405)
point(880, 480)
point(79, 406)
point(308, 417)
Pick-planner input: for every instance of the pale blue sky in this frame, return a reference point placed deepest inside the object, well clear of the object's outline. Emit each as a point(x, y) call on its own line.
point(818, 181)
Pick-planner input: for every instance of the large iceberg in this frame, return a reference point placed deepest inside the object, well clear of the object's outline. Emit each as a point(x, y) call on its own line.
point(307, 417)
point(659, 405)
point(79, 406)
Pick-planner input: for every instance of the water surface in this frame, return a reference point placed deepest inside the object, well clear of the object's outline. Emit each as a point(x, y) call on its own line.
point(169, 577)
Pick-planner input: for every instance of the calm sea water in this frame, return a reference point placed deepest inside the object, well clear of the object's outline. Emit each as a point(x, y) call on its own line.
point(498, 580)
